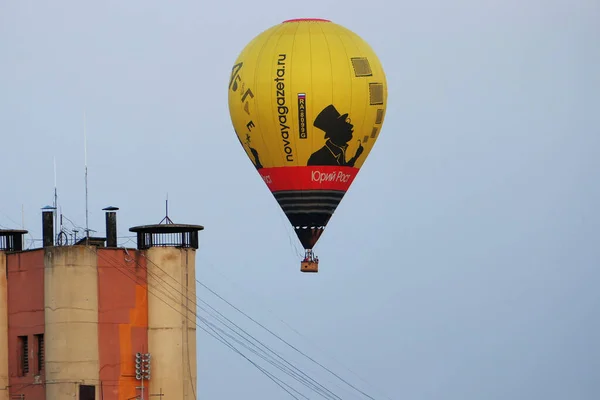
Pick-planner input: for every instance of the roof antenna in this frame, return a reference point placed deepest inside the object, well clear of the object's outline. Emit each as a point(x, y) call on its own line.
point(87, 228)
point(166, 219)
point(55, 196)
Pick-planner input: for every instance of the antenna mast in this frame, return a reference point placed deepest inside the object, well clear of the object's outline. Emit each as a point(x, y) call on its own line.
point(55, 197)
point(87, 228)
point(166, 219)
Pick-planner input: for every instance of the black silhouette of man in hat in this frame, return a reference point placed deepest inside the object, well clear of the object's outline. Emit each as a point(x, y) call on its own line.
point(338, 132)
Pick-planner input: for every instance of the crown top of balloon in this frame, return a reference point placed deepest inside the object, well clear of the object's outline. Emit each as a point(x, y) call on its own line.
point(306, 20)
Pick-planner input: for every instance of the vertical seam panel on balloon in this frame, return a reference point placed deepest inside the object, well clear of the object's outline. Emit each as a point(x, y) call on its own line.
point(260, 127)
point(332, 86)
point(330, 64)
point(349, 71)
point(385, 93)
point(296, 139)
point(380, 70)
point(241, 57)
point(282, 27)
point(292, 103)
point(339, 34)
point(366, 84)
point(312, 104)
point(312, 139)
point(258, 118)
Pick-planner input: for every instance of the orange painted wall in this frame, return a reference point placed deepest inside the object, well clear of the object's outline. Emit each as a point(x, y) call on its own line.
point(25, 317)
point(123, 320)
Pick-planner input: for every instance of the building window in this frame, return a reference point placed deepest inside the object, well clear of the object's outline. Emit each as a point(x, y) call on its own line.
point(87, 392)
point(23, 355)
point(40, 352)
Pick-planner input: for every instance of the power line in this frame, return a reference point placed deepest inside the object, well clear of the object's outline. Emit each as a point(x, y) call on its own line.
point(284, 341)
point(214, 335)
point(219, 271)
point(295, 375)
point(319, 388)
point(271, 332)
point(211, 332)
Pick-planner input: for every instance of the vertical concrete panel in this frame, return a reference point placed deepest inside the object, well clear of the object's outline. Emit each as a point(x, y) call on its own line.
point(3, 329)
point(71, 311)
point(25, 318)
point(171, 321)
point(123, 317)
point(190, 374)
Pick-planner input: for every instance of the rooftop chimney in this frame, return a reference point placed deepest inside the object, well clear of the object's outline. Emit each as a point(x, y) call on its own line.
point(48, 225)
point(111, 226)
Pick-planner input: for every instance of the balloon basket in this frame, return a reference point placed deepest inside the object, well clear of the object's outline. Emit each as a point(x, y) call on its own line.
point(309, 266)
point(310, 263)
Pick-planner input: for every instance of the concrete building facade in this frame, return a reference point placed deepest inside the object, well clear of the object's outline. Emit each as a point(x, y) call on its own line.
point(74, 317)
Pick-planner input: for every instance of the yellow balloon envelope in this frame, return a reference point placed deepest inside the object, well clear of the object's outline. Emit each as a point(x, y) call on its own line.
point(307, 100)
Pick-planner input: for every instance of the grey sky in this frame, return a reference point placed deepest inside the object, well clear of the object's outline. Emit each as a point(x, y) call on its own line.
point(463, 262)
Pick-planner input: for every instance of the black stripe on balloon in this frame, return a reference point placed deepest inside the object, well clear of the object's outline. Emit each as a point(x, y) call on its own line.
point(309, 211)
point(319, 202)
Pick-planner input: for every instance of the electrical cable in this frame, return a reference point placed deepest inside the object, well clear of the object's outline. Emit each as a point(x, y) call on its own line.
point(213, 334)
point(321, 388)
point(311, 342)
point(284, 341)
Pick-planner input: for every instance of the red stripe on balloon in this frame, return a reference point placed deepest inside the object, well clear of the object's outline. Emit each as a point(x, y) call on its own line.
point(308, 178)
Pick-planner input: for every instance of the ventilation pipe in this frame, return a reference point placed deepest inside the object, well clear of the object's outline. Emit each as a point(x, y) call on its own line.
point(111, 226)
point(48, 226)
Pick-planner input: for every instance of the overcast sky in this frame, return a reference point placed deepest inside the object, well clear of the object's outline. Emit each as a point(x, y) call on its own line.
point(464, 261)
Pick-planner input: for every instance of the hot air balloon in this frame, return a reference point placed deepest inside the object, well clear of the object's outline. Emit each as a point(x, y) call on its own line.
point(307, 100)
